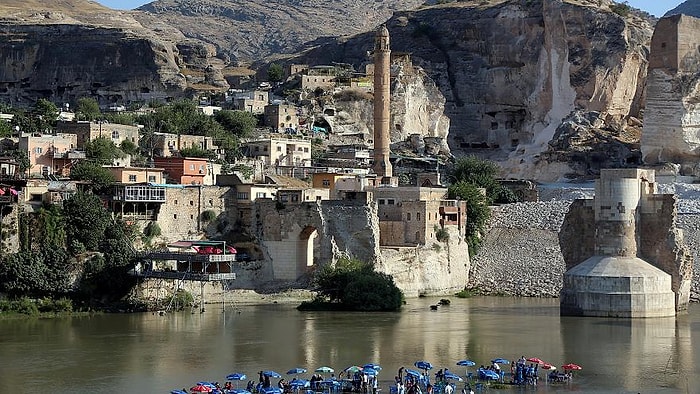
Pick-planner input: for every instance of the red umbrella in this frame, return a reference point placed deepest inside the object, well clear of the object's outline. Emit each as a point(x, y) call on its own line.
point(571, 367)
point(535, 360)
point(548, 366)
point(201, 389)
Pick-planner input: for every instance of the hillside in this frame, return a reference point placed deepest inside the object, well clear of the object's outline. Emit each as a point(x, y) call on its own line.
point(689, 7)
point(249, 30)
point(66, 49)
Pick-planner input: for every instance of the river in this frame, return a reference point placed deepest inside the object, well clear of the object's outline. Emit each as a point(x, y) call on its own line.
point(134, 353)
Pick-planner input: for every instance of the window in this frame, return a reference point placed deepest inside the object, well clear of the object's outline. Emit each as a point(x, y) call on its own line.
point(152, 178)
point(211, 203)
point(115, 135)
point(390, 201)
point(242, 195)
point(306, 150)
point(175, 202)
point(191, 216)
point(260, 195)
point(38, 150)
point(257, 149)
point(418, 216)
point(381, 201)
point(408, 216)
point(175, 216)
point(279, 149)
point(191, 203)
point(326, 183)
point(132, 178)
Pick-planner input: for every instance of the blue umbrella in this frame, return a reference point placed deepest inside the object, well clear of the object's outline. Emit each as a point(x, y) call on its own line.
point(423, 365)
point(178, 392)
point(272, 390)
point(236, 376)
point(375, 367)
point(413, 372)
point(450, 375)
point(370, 372)
point(296, 371)
point(239, 391)
point(299, 383)
point(271, 374)
point(466, 363)
point(487, 374)
point(500, 361)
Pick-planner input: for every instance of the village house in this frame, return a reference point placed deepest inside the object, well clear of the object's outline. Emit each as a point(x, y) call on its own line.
point(338, 183)
point(188, 170)
point(413, 215)
point(293, 152)
point(168, 145)
point(137, 174)
point(48, 153)
point(88, 131)
point(282, 118)
point(253, 101)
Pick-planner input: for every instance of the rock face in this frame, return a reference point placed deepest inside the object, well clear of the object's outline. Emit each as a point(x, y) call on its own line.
point(672, 114)
point(512, 70)
point(689, 7)
point(75, 48)
point(250, 30)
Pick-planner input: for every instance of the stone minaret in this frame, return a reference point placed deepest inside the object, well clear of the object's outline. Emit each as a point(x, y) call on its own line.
point(382, 99)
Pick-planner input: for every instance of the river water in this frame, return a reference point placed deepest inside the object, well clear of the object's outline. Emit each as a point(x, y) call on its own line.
point(149, 353)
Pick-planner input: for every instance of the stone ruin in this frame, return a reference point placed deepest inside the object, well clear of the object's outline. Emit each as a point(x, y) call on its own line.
point(624, 255)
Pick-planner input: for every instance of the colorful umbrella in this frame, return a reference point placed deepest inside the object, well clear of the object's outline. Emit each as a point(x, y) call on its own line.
point(200, 388)
point(296, 371)
point(571, 367)
point(375, 367)
point(535, 360)
point(548, 366)
point(353, 369)
point(236, 376)
point(413, 372)
point(324, 370)
point(500, 361)
point(466, 363)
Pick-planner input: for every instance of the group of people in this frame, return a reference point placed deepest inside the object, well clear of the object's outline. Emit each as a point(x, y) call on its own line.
point(523, 374)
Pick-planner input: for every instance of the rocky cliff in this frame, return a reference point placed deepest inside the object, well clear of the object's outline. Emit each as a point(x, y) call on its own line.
point(689, 7)
point(249, 30)
point(512, 70)
point(672, 114)
point(69, 49)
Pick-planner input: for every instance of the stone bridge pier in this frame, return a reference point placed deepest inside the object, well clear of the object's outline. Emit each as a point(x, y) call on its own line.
point(624, 255)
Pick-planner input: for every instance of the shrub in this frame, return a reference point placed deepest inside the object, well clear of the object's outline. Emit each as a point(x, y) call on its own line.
point(622, 9)
point(208, 215)
point(151, 230)
point(441, 234)
point(180, 300)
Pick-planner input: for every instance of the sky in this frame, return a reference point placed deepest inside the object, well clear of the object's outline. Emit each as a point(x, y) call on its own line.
point(654, 7)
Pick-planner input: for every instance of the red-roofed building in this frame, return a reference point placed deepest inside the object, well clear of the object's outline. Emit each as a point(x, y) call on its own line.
point(184, 170)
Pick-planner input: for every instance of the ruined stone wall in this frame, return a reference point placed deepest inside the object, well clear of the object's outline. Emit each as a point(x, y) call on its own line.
point(437, 268)
point(662, 244)
point(672, 113)
point(180, 217)
point(577, 233)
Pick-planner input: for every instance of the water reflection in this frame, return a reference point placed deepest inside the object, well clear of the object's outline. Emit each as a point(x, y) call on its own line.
point(130, 353)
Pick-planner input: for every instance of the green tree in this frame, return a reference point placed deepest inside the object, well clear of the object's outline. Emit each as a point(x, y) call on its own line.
point(86, 219)
point(88, 109)
point(102, 151)
point(5, 129)
point(86, 170)
point(239, 123)
point(46, 113)
point(22, 159)
point(196, 151)
point(129, 147)
point(478, 211)
point(275, 73)
point(354, 285)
